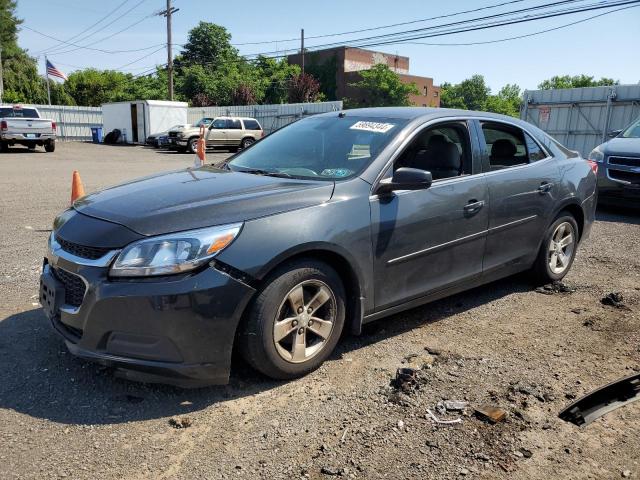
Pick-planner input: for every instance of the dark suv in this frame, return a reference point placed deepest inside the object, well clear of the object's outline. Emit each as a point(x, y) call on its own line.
point(619, 173)
point(329, 223)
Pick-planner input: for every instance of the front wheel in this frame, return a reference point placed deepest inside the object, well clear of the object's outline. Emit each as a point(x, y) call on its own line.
point(558, 250)
point(193, 145)
point(295, 321)
point(50, 146)
point(4, 147)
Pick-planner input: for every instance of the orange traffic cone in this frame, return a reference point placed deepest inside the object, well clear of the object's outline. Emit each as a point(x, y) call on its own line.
point(77, 190)
point(201, 149)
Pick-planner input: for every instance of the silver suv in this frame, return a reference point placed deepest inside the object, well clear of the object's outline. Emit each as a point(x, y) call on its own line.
point(227, 132)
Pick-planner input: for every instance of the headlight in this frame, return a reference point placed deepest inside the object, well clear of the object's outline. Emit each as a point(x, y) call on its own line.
point(173, 253)
point(596, 155)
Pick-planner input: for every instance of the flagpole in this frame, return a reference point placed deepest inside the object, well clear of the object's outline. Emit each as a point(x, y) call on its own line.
point(46, 69)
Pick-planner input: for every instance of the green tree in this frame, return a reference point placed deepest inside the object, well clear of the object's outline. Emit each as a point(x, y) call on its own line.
point(273, 78)
point(382, 87)
point(506, 102)
point(576, 81)
point(450, 96)
point(22, 84)
point(208, 44)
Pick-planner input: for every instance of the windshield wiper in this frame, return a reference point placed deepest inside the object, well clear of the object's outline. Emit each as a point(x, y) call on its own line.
point(266, 173)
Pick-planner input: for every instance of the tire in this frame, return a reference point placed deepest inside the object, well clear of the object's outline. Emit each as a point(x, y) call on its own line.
point(4, 147)
point(542, 271)
point(247, 142)
point(192, 147)
point(283, 359)
point(50, 146)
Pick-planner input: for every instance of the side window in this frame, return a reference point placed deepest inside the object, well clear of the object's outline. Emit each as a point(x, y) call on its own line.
point(219, 124)
point(443, 150)
point(234, 124)
point(505, 145)
point(534, 151)
point(251, 124)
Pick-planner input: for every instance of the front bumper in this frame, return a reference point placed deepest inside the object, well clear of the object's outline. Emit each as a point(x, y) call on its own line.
point(176, 330)
point(614, 191)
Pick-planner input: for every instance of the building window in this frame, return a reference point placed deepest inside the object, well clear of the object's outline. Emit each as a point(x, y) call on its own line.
point(425, 89)
point(435, 94)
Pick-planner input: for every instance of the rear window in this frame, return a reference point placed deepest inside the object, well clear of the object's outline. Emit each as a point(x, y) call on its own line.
point(251, 125)
point(18, 113)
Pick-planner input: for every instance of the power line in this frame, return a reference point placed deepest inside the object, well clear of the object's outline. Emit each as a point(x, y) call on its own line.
point(521, 36)
point(381, 27)
point(88, 28)
point(101, 29)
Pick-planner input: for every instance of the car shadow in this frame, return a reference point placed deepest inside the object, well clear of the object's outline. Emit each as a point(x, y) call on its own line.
point(607, 213)
point(41, 379)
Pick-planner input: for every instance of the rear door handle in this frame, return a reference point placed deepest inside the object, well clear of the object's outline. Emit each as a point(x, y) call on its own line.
point(473, 206)
point(545, 187)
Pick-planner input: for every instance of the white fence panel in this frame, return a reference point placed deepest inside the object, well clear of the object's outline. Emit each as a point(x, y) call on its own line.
point(271, 117)
point(73, 123)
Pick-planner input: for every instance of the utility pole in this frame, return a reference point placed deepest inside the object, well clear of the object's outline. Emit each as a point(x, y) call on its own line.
point(167, 14)
point(302, 48)
point(1, 81)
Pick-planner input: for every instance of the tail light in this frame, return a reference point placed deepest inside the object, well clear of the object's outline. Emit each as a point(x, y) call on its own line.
point(262, 134)
point(3, 126)
point(594, 166)
point(53, 126)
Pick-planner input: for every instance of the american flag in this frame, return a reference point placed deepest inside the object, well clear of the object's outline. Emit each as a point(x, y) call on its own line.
point(54, 72)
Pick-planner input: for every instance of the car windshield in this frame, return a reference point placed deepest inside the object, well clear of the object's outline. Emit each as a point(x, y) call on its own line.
point(18, 113)
point(204, 121)
point(633, 131)
point(322, 148)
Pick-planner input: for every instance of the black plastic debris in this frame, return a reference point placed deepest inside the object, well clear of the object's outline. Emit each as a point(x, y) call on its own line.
point(406, 379)
point(555, 287)
point(614, 299)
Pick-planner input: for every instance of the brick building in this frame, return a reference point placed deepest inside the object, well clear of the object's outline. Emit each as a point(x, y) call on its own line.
point(348, 62)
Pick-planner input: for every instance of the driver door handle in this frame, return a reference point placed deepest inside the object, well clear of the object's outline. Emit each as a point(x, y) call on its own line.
point(545, 187)
point(473, 206)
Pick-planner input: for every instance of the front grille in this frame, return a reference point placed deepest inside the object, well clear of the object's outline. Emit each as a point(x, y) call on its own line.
point(631, 177)
point(74, 287)
point(627, 161)
point(91, 253)
point(173, 134)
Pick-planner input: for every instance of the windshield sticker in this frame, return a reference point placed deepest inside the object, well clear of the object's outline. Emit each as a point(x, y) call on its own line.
point(336, 172)
point(375, 127)
point(359, 152)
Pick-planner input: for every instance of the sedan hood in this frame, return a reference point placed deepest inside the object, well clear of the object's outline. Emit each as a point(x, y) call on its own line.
point(188, 199)
point(623, 146)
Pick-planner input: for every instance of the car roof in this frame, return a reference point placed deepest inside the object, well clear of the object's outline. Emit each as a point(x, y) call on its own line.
point(413, 113)
point(234, 118)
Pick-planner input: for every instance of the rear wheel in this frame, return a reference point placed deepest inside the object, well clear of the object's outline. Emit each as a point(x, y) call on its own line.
point(50, 146)
point(247, 142)
point(295, 321)
point(4, 147)
point(558, 249)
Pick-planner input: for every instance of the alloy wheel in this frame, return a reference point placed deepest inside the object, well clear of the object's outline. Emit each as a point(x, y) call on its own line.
point(561, 248)
point(305, 321)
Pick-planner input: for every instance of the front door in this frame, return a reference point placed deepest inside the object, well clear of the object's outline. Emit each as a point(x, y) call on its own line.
point(521, 178)
point(427, 240)
point(217, 133)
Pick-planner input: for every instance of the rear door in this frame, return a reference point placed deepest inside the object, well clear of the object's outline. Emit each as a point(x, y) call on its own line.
point(427, 240)
point(522, 179)
point(234, 131)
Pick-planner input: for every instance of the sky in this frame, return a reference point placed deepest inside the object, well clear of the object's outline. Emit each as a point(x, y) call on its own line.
point(607, 46)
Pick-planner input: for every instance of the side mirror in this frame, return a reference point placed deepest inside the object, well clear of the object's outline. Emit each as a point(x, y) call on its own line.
point(406, 179)
point(614, 133)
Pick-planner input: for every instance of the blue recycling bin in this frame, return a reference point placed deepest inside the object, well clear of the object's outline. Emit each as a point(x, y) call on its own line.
point(96, 134)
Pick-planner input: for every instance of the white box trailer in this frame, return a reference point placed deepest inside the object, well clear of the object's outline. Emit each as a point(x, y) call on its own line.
point(140, 118)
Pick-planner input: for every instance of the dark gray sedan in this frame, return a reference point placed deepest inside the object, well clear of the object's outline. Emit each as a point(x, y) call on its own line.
point(332, 222)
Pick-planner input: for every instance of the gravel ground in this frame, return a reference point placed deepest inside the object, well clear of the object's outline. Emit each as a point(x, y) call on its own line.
point(503, 344)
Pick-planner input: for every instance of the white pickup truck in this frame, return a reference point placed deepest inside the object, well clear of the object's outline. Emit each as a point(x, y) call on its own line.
point(23, 126)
